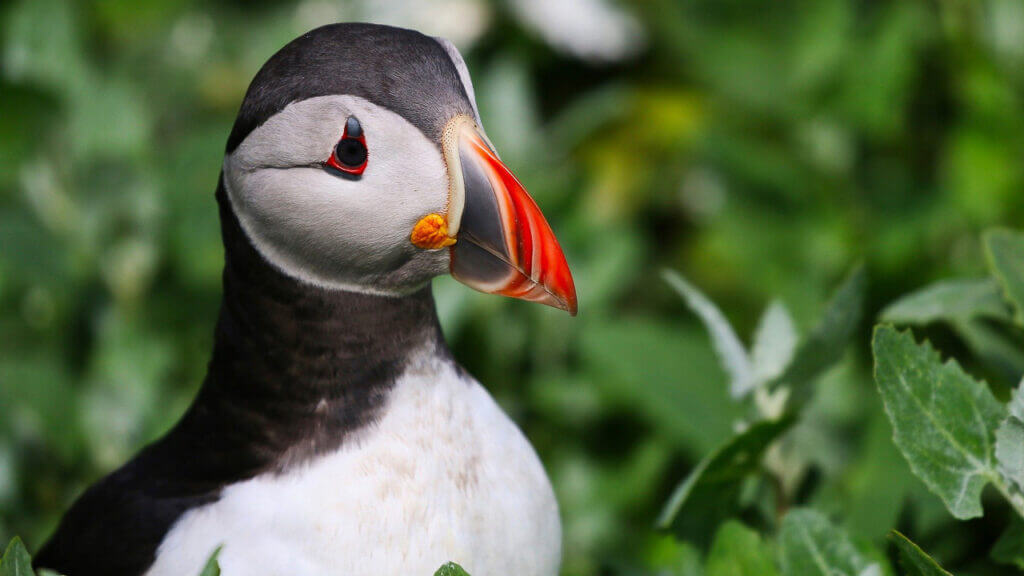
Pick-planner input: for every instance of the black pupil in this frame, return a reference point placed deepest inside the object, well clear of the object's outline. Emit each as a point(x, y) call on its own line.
point(351, 152)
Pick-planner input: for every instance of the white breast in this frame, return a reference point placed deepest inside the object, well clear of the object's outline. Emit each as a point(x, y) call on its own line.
point(444, 475)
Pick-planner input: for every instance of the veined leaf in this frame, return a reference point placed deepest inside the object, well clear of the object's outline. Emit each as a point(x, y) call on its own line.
point(810, 545)
point(914, 560)
point(1006, 260)
point(710, 494)
point(450, 569)
point(1010, 441)
point(16, 561)
point(950, 301)
point(774, 342)
point(825, 345)
point(943, 420)
point(739, 551)
point(727, 345)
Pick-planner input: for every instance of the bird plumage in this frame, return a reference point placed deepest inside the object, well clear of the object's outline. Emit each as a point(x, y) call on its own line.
point(334, 433)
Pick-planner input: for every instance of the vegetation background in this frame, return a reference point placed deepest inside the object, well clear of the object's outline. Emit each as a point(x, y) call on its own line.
point(760, 148)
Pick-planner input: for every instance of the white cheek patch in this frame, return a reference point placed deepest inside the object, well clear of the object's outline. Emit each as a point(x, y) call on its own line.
point(329, 230)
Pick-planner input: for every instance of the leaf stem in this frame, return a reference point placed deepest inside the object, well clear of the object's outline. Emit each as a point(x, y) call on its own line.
point(1011, 494)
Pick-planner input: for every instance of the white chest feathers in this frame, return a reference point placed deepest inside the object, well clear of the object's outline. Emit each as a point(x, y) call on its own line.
point(444, 475)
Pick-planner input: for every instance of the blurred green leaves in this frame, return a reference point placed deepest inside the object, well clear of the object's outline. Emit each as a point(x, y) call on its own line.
point(913, 560)
point(711, 493)
point(759, 149)
point(730, 350)
point(954, 301)
point(827, 341)
point(739, 551)
point(643, 365)
point(810, 545)
point(1006, 259)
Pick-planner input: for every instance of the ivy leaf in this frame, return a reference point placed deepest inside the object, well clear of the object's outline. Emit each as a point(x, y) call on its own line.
point(739, 551)
point(727, 345)
point(1010, 440)
point(16, 561)
point(824, 346)
point(943, 420)
point(810, 545)
point(952, 301)
point(212, 567)
point(774, 342)
point(1006, 260)
point(710, 494)
point(451, 569)
point(915, 562)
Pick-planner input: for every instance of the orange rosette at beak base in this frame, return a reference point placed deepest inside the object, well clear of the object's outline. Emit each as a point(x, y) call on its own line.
point(431, 233)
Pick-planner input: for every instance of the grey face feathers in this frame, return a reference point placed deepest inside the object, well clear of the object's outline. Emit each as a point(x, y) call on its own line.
point(401, 70)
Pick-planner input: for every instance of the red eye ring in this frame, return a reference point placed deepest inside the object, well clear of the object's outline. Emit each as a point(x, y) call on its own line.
point(350, 155)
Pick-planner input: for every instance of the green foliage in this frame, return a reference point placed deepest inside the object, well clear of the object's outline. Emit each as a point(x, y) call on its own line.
point(16, 561)
point(913, 560)
point(826, 343)
point(727, 345)
point(1006, 258)
point(759, 150)
point(952, 430)
point(810, 545)
point(1009, 549)
point(1010, 441)
point(975, 309)
point(943, 420)
point(953, 301)
point(776, 359)
point(711, 493)
point(739, 551)
point(212, 568)
point(450, 569)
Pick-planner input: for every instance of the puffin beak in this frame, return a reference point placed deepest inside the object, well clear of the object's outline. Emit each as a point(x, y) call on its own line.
point(503, 244)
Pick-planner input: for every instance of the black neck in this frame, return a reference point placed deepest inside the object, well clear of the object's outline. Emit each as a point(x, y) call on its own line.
point(295, 368)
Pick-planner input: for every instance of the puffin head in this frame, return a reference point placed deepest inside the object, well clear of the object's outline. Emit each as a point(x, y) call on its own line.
point(358, 162)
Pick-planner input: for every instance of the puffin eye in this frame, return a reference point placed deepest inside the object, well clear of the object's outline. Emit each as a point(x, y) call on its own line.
point(349, 155)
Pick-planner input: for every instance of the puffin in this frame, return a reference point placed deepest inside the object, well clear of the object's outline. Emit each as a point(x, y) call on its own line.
point(334, 432)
